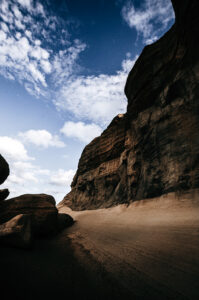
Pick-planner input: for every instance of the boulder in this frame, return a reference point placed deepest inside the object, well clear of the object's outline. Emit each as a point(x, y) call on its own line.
point(16, 232)
point(40, 207)
point(4, 169)
point(4, 194)
point(64, 221)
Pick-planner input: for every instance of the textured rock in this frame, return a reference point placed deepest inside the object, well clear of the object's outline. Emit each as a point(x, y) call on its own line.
point(4, 169)
point(16, 232)
point(64, 221)
point(152, 149)
point(4, 194)
point(97, 174)
point(40, 207)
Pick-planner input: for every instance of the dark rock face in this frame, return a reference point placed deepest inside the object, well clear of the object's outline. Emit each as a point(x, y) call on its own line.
point(153, 149)
point(16, 232)
point(64, 221)
point(4, 194)
point(40, 207)
point(4, 169)
point(98, 172)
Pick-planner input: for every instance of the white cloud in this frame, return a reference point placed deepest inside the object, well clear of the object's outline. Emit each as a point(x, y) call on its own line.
point(17, 12)
point(95, 98)
point(18, 35)
point(127, 64)
point(28, 34)
point(17, 61)
point(151, 19)
point(3, 35)
point(25, 3)
point(21, 172)
point(4, 27)
point(24, 57)
point(64, 62)
point(41, 138)
point(62, 177)
point(19, 24)
point(6, 14)
point(81, 131)
point(27, 176)
point(151, 40)
point(46, 66)
point(13, 149)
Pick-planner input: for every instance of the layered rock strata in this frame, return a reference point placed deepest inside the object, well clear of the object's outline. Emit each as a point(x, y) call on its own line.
point(98, 175)
point(40, 207)
point(152, 149)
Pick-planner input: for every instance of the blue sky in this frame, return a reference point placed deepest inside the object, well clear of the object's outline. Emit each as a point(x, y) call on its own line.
point(63, 67)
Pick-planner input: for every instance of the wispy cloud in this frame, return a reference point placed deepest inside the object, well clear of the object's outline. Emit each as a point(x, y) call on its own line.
point(95, 98)
point(41, 138)
point(149, 20)
point(28, 35)
point(25, 3)
point(27, 46)
point(64, 63)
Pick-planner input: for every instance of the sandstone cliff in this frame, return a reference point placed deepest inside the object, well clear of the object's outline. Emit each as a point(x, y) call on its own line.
point(153, 148)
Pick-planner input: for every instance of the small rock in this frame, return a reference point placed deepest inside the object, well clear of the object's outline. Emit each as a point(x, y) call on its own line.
point(4, 194)
point(64, 220)
point(16, 232)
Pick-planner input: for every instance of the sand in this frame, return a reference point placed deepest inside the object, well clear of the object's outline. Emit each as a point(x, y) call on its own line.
point(147, 250)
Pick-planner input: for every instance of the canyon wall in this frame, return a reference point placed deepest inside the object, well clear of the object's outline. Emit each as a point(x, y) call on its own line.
point(153, 148)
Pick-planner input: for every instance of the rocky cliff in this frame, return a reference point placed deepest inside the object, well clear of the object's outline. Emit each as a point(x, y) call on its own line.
point(152, 149)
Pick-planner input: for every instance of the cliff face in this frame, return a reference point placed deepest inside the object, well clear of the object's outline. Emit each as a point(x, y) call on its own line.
point(152, 149)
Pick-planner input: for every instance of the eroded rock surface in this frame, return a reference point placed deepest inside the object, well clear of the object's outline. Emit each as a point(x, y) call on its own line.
point(152, 149)
point(98, 173)
point(16, 232)
point(40, 207)
point(64, 221)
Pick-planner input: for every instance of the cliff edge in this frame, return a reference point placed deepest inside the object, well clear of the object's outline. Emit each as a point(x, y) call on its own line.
point(153, 148)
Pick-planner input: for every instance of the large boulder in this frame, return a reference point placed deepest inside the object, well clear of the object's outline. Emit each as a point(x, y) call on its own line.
point(4, 169)
point(16, 232)
point(40, 207)
point(4, 194)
